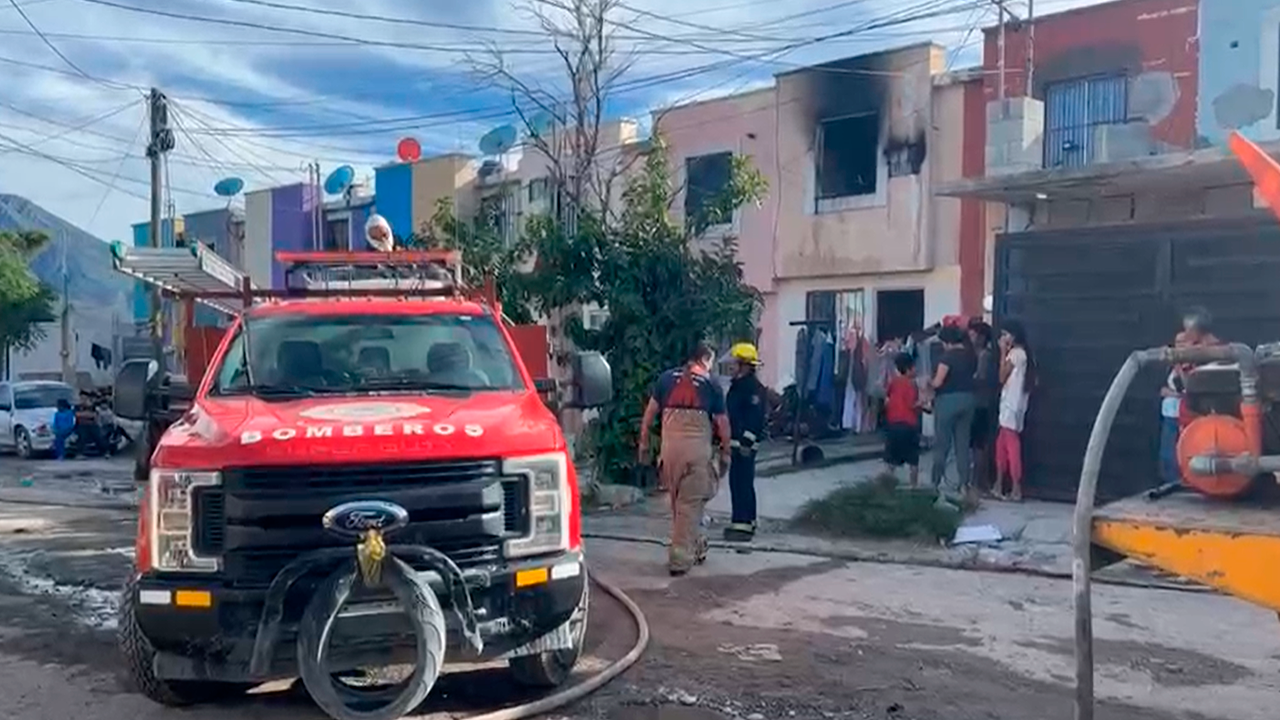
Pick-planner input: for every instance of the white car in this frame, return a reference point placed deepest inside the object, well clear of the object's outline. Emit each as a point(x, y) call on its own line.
point(26, 414)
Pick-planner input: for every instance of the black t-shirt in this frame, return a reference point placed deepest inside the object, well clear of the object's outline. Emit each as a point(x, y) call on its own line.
point(681, 389)
point(961, 366)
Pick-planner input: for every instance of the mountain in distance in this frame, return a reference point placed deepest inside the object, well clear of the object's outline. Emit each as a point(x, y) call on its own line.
point(94, 284)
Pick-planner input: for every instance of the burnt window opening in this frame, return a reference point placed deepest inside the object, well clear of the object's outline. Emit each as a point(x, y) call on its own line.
point(707, 178)
point(904, 159)
point(848, 153)
point(337, 234)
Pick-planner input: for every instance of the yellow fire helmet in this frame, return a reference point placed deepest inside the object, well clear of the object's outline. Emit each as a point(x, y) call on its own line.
point(745, 352)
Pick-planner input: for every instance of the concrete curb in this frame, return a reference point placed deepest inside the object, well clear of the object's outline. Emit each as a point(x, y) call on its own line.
point(852, 555)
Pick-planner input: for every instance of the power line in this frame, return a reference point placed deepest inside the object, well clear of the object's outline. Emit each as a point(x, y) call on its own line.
point(270, 28)
point(48, 43)
point(84, 125)
point(142, 120)
point(387, 19)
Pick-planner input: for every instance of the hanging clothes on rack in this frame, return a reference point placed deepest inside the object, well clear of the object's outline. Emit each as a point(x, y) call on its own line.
point(802, 359)
point(819, 342)
point(853, 408)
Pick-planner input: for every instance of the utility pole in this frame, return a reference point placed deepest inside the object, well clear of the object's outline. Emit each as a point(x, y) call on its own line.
point(1031, 48)
point(161, 142)
point(1000, 68)
point(68, 364)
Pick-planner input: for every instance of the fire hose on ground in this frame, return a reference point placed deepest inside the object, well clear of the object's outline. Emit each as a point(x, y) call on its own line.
point(415, 594)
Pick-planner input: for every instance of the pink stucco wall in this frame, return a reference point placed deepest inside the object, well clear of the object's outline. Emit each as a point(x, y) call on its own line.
point(744, 124)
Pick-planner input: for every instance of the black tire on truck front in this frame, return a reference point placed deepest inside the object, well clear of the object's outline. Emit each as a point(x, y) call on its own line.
point(343, 702)
point(139, 657)
point(551, 669)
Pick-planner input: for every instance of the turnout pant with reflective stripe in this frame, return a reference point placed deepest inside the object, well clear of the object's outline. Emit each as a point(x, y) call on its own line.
point(689, 473)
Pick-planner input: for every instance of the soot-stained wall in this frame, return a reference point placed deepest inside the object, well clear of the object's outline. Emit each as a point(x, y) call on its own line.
point(868, 84)
point(857, 194)
point(1151, 42)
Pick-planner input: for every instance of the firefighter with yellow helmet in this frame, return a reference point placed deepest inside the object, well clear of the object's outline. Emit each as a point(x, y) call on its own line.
point(747, 405)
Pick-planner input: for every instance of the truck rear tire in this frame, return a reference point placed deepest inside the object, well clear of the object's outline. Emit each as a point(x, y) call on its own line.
point(139, 657)
point(552, 668)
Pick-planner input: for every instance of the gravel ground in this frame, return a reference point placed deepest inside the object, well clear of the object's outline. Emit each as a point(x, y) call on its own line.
point(751, 636)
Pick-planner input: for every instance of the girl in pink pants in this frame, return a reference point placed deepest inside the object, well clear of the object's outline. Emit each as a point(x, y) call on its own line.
point(1016, 381)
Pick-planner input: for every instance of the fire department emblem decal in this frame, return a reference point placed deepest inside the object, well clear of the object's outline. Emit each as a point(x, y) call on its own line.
point(365, 412)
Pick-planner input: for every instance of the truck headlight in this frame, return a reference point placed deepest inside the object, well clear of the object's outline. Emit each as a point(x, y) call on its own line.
point(548, 497)
point(172, 524)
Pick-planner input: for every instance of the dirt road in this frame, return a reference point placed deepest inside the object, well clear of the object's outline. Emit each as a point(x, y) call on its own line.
point(751, 636)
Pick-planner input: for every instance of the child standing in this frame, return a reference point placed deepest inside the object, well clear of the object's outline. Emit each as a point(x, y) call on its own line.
point(902, 418)
point(64, 423)
point(1016, 381)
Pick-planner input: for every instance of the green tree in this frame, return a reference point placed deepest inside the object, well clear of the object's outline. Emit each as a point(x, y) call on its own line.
point(484, 255)
point(25, 302)
point(666, 287)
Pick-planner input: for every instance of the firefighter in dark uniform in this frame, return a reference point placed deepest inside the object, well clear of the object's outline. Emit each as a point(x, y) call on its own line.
point(747, 406)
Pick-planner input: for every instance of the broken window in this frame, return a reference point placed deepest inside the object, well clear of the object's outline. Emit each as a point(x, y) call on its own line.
point(848, 151)
point(707, 178)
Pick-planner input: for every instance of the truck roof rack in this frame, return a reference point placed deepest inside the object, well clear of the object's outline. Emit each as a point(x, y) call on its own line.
point(194, 272)
point(197, 273)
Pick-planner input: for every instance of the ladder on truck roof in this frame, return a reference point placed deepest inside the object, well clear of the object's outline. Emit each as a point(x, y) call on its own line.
point(194, 272)
point(197, 273)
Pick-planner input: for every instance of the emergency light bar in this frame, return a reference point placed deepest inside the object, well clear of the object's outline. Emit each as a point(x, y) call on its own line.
point(197, 273)
point(410, 270)
point(448, 258)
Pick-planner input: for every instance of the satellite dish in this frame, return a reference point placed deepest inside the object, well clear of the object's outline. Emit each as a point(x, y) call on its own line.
point(408, 150)
point(540, 123)
point(339, 180)
point(228, 187)
point(498, 140)
point(377, 231)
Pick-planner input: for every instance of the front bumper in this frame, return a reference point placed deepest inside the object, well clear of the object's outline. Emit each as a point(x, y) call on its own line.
point(41, 442)
point(205, 630)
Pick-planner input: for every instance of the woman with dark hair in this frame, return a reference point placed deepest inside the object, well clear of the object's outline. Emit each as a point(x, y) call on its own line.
point(1017, 378)
point(986, 394)
point(953, 404)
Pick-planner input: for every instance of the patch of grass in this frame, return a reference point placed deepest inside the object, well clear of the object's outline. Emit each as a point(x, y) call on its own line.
point(880, 508)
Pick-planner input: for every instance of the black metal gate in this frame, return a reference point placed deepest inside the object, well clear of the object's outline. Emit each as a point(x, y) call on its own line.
point(1090, 296)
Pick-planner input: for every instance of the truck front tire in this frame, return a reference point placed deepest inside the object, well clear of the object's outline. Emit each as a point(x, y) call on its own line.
point(551, 669)
point(139, 657)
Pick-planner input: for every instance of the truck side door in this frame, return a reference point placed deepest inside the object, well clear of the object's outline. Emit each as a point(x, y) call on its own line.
point(6, 415)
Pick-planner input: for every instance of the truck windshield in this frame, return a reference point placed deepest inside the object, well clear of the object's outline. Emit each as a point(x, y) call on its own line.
point(299, 354)
point(42, 396)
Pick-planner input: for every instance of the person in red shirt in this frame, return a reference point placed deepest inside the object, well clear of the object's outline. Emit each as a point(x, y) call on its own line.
point(902, 418)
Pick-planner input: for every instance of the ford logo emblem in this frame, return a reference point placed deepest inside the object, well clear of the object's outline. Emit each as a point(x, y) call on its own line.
point(355, 518)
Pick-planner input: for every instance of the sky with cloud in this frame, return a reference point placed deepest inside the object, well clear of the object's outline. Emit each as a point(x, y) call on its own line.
point(259, 88)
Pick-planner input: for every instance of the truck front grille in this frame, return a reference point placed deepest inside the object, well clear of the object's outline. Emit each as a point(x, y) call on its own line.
point(261, 518)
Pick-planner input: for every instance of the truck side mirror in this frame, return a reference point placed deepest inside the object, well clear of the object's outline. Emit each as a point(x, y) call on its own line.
point(180, 389)
point(592, 380)
point(133, 387)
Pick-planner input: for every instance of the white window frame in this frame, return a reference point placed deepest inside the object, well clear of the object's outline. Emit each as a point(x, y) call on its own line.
point(821, 206)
